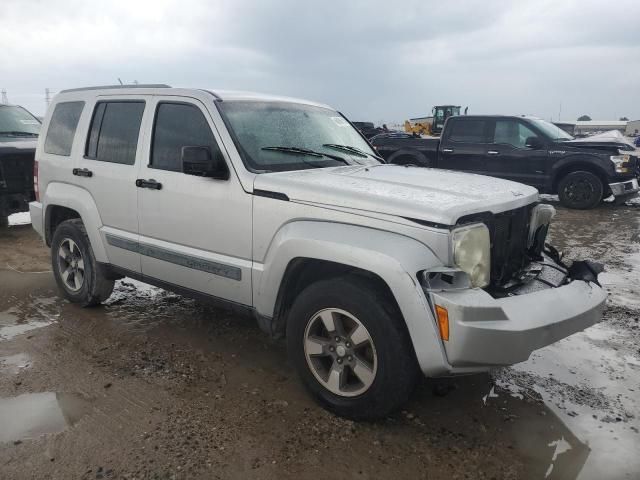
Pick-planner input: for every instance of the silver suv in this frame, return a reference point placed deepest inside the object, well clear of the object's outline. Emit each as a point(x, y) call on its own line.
point(373, 272)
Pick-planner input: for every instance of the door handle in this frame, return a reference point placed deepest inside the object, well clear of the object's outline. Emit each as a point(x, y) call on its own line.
point(493, 152)
point(151, 183)
point(82, 172)
point(447, 150)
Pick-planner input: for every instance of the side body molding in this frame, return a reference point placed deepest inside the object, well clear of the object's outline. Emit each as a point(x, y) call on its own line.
point(80, 200)
point(396, 259)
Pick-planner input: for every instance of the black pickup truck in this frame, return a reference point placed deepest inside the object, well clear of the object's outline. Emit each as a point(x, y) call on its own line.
point(18, 137)
point(524, 149)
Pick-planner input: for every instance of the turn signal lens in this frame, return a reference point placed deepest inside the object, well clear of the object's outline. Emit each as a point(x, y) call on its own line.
point(443, 322)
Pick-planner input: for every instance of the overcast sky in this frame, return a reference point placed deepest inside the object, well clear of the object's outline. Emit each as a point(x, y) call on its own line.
point(378, 61)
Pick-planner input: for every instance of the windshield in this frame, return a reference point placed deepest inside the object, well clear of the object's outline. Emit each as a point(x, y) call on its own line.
point(551, 130)
point(280, 136)
point(17, 121)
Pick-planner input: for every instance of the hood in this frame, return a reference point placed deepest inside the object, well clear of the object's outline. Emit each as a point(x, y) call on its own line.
point(432, 195)
point(609, 141)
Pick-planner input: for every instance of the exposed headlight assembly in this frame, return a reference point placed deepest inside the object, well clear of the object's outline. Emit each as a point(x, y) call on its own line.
point(541, 216)
point(471, 249)
point(620, 163)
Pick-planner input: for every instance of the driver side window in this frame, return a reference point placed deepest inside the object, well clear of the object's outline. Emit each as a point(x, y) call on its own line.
point(512, 132)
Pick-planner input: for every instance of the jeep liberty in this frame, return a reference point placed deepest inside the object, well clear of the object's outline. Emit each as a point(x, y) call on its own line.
point(374, 273)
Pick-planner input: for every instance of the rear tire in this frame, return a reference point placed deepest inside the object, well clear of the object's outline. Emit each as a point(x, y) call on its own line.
point(373, 361)
point(80, 278)
point(580, 190)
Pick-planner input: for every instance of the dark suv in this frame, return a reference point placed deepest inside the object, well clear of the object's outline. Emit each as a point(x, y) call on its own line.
point(18, 137)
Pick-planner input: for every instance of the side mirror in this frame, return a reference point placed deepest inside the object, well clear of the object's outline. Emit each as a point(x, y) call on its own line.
point(200, 162)
point(533, 142)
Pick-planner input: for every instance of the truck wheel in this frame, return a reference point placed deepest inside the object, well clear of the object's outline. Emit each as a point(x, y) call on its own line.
point(75, 269)
point(580, 190)
point(351, 349)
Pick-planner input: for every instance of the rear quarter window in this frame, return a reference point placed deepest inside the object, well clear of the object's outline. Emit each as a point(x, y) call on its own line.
point(467, 130)
point(62, 128)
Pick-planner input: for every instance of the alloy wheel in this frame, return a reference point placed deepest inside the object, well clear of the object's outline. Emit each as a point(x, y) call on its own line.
point(340, 352)
point(71, 265)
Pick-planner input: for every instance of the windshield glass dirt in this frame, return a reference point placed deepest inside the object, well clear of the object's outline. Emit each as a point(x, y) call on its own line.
point(16, 120)
point(279, 136)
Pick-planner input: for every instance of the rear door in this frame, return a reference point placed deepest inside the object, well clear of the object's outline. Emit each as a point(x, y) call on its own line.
point(464, 145)
point(195, 232)
point(108, 170)
point(510, 155)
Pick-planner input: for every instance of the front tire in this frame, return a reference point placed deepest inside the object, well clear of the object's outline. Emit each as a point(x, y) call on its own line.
point(80, 278)
point(580, 190)
point(351, 348)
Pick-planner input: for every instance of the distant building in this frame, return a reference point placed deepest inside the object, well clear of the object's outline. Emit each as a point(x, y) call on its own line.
point(595, 126)
point(569, 127)
point(633, 128)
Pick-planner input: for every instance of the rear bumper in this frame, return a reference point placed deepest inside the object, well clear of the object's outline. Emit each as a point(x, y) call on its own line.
point(37, 221)
point(487, 331)
point(628, 188)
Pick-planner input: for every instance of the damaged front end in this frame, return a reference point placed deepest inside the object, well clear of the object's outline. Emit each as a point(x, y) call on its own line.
point(521, 259)
point(507, 254)
point(532, 299)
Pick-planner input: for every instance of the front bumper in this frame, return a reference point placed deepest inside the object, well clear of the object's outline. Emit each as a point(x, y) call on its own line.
point(628, 188)
point(487, 331)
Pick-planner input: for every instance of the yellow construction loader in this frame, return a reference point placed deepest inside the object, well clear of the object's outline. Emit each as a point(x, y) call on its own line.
point(432, 125)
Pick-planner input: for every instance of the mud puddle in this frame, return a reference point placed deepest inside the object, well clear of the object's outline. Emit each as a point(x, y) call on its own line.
point(592, 386)
point(14, 364)
point(30, 415)
point(27, 315)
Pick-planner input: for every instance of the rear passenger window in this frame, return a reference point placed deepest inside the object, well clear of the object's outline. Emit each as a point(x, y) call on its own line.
point(113, 136)
point(62, 128)
point(467, 131)
point(179, 125)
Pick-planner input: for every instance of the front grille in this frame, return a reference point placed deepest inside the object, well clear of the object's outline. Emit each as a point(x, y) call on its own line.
point(509, 234)
point(16, 172)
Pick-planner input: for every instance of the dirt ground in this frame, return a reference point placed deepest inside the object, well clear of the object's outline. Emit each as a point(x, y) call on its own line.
point(154, 385)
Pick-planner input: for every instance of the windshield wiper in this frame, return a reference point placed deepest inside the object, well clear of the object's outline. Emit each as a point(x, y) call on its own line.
point(349, 148)
point(19, 134)
point(305, 151)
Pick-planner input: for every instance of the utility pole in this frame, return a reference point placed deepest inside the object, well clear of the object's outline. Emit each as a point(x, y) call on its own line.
point(47, 96)
point(5, 100)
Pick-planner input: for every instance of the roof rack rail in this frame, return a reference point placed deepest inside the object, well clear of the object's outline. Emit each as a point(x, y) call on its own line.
point(116, 87)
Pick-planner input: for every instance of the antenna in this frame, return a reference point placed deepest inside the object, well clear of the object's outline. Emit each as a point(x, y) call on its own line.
point(560, 112)
point(5, 100)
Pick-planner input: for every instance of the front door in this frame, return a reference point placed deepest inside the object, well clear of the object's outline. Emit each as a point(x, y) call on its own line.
point(511, 157)
point(195, 232)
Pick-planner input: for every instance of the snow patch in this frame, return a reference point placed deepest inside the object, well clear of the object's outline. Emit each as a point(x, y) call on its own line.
point(22, 218)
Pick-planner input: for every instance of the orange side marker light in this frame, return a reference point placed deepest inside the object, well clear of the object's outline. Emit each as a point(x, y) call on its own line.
point(443, 322)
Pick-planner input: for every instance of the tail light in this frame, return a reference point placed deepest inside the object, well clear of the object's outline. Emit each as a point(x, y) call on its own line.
point(35, 180)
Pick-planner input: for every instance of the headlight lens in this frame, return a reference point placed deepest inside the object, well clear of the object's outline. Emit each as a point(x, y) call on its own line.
point(620, 163)
point(472, 253)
